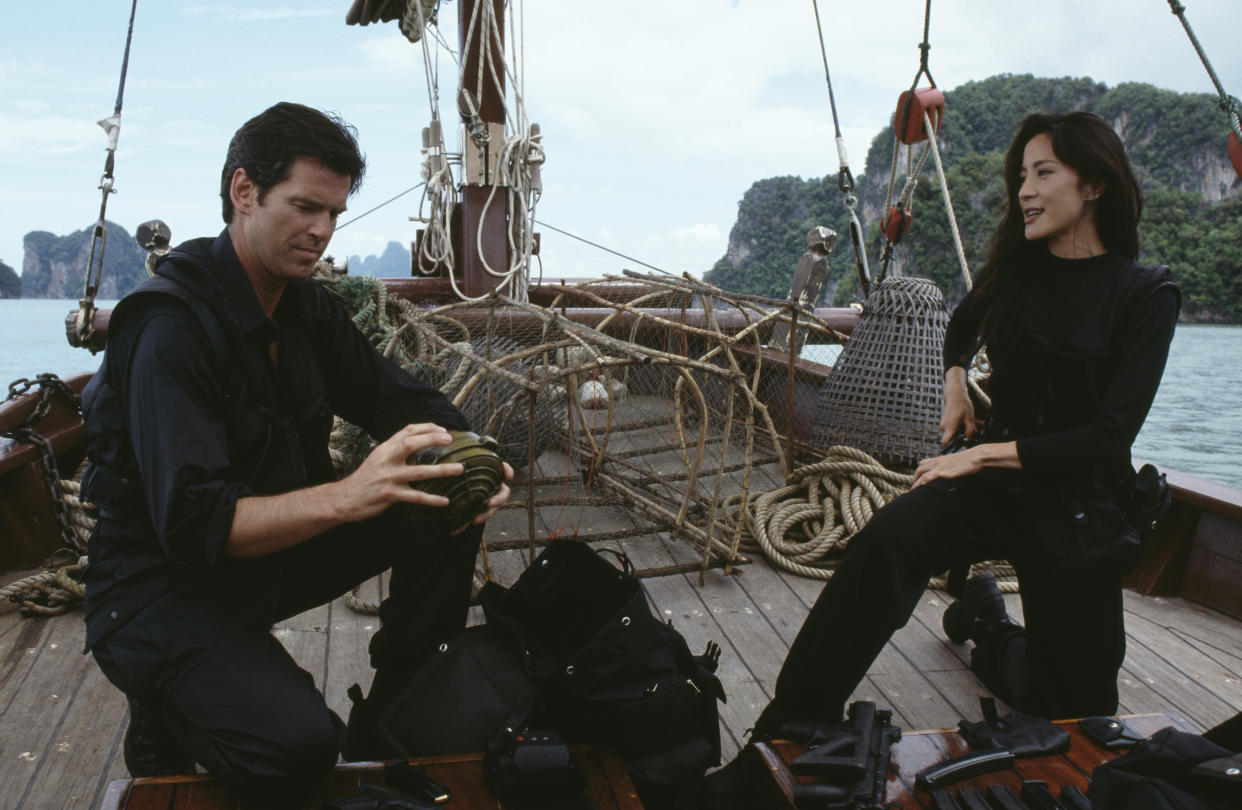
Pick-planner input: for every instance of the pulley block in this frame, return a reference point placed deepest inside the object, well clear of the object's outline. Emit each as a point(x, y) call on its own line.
point(908, 121)
point(469, 492)
point(897, 223)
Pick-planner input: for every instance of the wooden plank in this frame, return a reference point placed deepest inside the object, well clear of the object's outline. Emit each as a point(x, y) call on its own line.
point(1210, 629)
point(35, 708)
point(1180, 692)
point(1217, 680)
point(347, 659)
point(84, 748)
point(305, 637)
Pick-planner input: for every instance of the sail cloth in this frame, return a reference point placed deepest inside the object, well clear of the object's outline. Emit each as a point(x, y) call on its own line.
point(886, 388)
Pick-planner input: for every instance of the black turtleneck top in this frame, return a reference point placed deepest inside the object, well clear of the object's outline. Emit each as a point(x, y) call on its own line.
point(1075, 383)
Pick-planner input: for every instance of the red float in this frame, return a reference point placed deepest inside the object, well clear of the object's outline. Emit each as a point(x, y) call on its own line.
point(897, 223)
point(924, 100)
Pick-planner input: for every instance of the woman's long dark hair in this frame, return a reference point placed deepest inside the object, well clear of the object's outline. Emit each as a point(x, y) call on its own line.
point(1087, 144)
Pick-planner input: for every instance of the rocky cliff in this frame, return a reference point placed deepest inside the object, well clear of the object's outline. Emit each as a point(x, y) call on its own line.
point(56, 266)
point(10, 282)
point(394, 262)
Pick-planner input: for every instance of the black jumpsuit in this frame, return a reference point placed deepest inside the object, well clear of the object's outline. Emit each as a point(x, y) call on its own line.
point(187, 415)
point(1072, 389)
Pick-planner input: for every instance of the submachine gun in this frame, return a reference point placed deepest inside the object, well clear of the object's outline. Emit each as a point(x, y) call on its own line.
point(850, 760)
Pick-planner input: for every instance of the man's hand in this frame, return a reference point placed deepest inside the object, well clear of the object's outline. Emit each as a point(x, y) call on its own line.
point(493, 503)
point(959, 410)
point(384, 477)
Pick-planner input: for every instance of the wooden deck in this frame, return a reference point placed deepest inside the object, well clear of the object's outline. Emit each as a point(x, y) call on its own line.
point(61, 722)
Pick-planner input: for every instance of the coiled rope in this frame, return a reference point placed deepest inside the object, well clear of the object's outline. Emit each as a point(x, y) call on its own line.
point(57, 590)
point(805, 526)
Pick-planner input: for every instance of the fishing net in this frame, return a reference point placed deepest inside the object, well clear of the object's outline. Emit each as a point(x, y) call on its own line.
point(631, 407)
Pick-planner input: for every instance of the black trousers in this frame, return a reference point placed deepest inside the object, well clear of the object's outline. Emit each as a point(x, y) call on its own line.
point(1064, 665)
point(232, 695)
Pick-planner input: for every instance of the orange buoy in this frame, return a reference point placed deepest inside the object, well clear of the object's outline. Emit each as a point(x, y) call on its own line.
point(924, 100)
point(897, 223)
point(1235, 152)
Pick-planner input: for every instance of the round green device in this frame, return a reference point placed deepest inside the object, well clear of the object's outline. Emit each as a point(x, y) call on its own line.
point(469, 492)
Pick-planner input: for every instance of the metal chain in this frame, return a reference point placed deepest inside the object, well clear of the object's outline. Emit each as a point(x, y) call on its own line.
point(49, 385)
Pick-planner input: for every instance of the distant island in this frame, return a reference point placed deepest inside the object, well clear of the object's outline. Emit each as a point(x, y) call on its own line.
point(55, 266)
point(1192, 217)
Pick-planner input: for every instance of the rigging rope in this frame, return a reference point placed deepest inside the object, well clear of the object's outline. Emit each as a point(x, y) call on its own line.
point(601, 247)
point(1228, 103)
point(85, 322)
point(845, 178)
point(930, 128)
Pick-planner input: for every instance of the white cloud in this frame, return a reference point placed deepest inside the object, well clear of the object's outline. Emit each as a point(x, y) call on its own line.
point(42, 135)
point(698, 232)
point(235, 14)
point(393, 53)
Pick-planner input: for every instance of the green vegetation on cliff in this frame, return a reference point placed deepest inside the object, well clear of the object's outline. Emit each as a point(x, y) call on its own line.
point(10, 282)
point(1176, 142)
point(56, 266)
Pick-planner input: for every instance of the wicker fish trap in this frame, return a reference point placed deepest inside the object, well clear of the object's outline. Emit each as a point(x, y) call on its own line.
point(885, 392)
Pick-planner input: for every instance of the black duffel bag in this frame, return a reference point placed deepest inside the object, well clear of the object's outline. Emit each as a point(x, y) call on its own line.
point(609, 672)
point(1171, 770)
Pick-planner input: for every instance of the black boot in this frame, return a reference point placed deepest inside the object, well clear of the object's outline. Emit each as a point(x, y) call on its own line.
point(981, 606)
point(731, 787)
point(150, 748)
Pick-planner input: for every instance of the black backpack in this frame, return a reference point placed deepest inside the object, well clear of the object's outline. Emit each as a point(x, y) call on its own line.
point(609, 672)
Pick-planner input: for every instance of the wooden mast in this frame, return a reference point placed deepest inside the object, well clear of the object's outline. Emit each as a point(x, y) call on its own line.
point(481, 147)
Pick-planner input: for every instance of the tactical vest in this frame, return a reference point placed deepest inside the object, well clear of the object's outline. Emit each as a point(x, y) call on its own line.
point(269, 451)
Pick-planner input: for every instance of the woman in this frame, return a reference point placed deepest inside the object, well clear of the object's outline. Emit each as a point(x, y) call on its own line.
point(1077, 334)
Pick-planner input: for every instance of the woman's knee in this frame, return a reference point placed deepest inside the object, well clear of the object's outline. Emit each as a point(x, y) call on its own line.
point(912, 528)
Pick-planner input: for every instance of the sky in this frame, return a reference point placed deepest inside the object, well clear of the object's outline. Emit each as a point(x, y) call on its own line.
point(657, 116)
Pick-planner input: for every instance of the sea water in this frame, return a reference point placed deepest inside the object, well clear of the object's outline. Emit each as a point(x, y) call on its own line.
point(1195, 424)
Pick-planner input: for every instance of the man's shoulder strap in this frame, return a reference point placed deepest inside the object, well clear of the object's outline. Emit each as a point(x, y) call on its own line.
point(184, 277)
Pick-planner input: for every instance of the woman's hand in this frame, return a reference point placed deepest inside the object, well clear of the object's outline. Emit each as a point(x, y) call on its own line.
point(959, 410)
point(968, 462)
point(954, 465)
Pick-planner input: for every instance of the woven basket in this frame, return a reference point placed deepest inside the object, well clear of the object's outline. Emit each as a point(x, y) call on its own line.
point(886, 389)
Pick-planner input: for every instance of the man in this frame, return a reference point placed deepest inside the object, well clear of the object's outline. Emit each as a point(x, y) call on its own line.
point(220, 513)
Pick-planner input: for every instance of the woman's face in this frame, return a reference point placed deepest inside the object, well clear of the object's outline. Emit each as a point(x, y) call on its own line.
point(1056, 205)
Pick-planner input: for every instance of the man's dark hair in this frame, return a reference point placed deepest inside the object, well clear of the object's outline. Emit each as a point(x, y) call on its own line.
point(267, 145)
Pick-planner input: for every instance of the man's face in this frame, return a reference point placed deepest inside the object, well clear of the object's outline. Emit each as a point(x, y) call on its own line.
point(281, 237)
